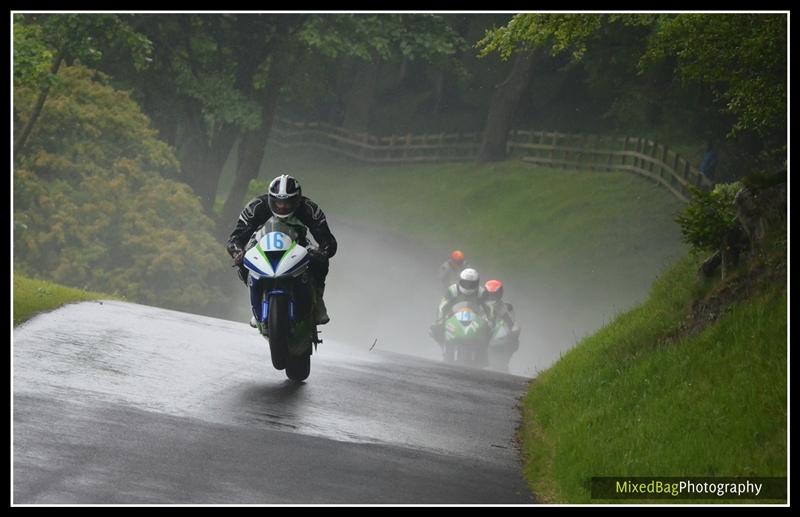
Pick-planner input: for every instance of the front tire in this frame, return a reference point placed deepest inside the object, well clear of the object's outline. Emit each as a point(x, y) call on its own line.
point(449, 353)
point(278, 325)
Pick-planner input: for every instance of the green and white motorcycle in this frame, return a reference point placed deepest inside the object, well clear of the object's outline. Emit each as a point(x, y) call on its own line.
point(466, 336)
point(282, 296)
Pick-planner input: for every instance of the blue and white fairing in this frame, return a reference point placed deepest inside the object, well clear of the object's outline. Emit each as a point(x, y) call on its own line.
point(275, 255)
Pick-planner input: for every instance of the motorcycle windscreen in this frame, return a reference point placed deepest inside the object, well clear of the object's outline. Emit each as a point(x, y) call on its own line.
point(466, 324)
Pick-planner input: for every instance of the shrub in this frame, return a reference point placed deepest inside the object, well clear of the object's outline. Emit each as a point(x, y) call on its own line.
point(93, 210)
point(709, 216)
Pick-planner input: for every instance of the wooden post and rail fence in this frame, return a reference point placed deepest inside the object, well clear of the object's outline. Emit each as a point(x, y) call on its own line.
point(636, 155)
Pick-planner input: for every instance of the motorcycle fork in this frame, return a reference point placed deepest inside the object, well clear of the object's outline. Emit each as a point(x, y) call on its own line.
point(260, 293)
point(265, 303)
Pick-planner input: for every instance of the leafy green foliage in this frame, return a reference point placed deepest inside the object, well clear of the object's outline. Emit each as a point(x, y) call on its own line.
point(204, 68)
point(82, 37)
point(387, 36)
point(32, 56)
point(560, 32)
point(741, 57)
point(91, 209)
point(709, 216)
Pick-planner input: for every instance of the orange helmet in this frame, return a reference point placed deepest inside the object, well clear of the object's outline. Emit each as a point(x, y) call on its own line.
point(457, 257)
point(494, 289)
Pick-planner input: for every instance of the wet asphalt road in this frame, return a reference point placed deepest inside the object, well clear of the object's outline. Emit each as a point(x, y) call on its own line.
point(125, 404)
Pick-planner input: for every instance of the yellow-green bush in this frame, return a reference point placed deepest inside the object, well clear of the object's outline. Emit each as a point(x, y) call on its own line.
point(93, 207)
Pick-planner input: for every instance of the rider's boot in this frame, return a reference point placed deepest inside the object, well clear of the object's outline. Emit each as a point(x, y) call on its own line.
point(321, 312)
point(253, 322)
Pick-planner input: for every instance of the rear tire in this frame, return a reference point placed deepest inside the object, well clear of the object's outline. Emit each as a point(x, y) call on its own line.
point(278, 324)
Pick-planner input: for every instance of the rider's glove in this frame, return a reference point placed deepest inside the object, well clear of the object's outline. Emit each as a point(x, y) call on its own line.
point(238, 258)
point(316, 254)
point(236, 253)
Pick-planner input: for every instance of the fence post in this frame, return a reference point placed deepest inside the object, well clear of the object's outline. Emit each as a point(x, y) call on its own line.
point(553, 149)
point(364, 146)
point(675, 163)
point(653, 154)
point(624, 150)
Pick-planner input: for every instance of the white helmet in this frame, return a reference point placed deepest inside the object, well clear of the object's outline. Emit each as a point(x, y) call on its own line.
point(284, 195)
point(468, 281)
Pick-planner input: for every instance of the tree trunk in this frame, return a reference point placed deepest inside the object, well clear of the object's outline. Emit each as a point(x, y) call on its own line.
point(202, 159)
point(345, 67)
point(438, 90)
point(166, 121)
point(361, 97)
point(211, 172)
point(253, 144)
point(502, 107)
point(19, 145)
point(191, 146)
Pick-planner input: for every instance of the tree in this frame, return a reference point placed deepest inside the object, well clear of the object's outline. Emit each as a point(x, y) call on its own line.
point(92, 208)
point(365, 44)
point(64, 37)
point(505, 99)
point(216, 80)
point(268, 89)
point(522, 35)
point(195, 89)
point(739, 58)
point(370, 37)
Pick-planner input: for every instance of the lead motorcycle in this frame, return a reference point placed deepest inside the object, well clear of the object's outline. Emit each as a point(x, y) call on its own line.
point(283, 299)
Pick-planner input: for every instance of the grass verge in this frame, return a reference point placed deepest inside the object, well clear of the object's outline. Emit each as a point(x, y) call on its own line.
point(639, 399)
point(32, 297)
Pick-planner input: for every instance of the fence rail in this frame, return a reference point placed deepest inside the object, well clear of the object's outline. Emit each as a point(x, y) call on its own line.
point(551, 149)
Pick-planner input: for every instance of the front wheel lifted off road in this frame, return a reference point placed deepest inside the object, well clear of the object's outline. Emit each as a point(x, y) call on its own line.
point(278, 324)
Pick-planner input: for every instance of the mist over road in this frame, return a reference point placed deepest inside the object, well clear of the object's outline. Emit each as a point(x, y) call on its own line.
point(383, 290)
point(123, 403)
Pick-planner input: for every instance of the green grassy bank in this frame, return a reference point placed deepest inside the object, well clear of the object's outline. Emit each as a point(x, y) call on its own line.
point(642, 397)
point(34, 296)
